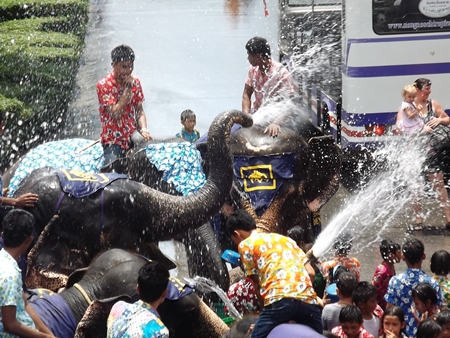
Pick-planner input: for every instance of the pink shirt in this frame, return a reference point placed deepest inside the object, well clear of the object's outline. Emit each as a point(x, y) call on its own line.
point(381, 278)
point(277, 82)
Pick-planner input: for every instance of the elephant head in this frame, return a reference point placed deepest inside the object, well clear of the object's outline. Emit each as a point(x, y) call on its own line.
point(126, 214)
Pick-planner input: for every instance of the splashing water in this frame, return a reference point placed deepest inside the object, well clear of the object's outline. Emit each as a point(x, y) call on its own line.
point(396, 187)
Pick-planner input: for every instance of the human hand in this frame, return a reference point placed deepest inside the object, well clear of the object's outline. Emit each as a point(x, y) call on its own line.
point(26, 200)
point(419, 107)
point(426, 129)
point(145, 134)
point(389, 334)
point(129, 81)
point(273, 129)
point(5, 192)
point(434, 122)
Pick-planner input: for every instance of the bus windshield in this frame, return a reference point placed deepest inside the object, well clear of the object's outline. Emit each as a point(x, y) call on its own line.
point(313, 2)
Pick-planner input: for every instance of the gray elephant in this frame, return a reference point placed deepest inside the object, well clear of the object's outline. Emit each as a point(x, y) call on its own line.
point(124, 214)
point(82, 308)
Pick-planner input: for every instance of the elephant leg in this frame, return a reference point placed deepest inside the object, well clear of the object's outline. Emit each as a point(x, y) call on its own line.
point(179, 315)
point(204, 255)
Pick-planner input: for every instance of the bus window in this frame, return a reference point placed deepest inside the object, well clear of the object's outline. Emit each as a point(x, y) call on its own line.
point(313, 2)
point(410, 16)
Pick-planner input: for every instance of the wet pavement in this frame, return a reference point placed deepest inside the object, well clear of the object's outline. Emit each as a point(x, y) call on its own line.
point(191, 54)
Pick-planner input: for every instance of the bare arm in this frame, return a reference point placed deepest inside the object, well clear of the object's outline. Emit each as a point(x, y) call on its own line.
point(116, 110)
point(310, 270)
point(13, 326)
point(441, 116)
point(255, 280)
point(142, 122)
point(25, 200)
point(246, 99)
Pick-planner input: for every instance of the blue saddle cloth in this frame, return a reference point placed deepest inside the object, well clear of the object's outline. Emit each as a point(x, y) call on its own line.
point(80, 184)
point(176, 289)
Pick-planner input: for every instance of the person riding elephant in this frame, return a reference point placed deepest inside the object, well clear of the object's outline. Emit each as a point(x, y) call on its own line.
point(82, 307)
point(124, 213)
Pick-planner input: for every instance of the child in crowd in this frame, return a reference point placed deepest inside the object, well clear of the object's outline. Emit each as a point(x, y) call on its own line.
point(393, 322)
point(342, 247)
point(425, 301)
point(297, 233)
point(345, 284)
point(440, 266)
point(365, 298)
point(188, 132)
point(411, 121)
point(351, 320)
point(429, 328)
point(242, 329)
point(391, 254)
point(400, 287)
point(443, 319)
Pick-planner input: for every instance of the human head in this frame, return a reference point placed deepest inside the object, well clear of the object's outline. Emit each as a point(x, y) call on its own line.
point(390, 251)
point(409, 93)
point(152, 282)
point(18, 227)
point(335, 272)
point(346, 283)
point(188, 120)
point(424, 297)
point(328, 334)
point(365, 297)
point(423, 88)
point(413, 251)
point(421, 83)
point(440, 263)
point(429, 328)
point(443, 319)
point(393, 320)
point(351, 320)
point(242, 328)
point(122, 53)
point(343, 244)
point(297, 233)
point(239, 225)
point(122, 61)
point(258, 46)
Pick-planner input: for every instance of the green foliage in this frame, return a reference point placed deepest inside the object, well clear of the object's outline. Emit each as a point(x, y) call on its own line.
point(40, 47)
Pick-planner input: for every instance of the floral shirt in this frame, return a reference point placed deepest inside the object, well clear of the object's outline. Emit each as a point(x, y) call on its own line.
point(399, 293)
point(137, 320)
point(117, 131)
point(190, 137)
point(11, 291)
point(280, 266)
point(243, 296)
point(444, 285)
point(340, 333)
point(278, 81)
point(350, 263)
point(380, 279)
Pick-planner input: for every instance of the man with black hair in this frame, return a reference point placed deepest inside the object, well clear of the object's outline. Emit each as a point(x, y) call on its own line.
point(266, 78)
point(120, 97)
point(400, 287)
point(351, 320)
point(280, 274)
point(365, 298)
point(17, 317)
point(141, 319)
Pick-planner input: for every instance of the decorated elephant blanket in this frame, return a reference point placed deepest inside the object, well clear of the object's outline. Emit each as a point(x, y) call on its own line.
point(180, 161)
point(54, 312)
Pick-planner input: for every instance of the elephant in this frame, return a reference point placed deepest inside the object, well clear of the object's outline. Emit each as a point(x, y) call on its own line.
point(82, 308)
point(124, 214)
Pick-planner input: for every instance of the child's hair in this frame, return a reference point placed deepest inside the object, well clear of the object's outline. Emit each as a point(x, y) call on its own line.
point(409, 89)
point(187, 114)
point(335, 272)
point(152, 280)
point(240, 220)
point(425, 292)
point(328, 334)
point(258, 46)
point(242, 327)
point(363, 292)
point(440, 263)
point(343, 244)
point(122, 53)
point(394, 311)
point(443, 317)
point(346, 283)
point(297, 233)
point(350, 314)
point(413, 250)
point(17, 226)
point(388, 247)
point(429, 328)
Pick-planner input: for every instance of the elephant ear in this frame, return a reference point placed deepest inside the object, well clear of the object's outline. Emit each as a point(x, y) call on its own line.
point(93, 323)
point(76, 276)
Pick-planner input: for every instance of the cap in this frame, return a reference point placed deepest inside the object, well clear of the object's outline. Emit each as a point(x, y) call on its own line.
point(231, 257)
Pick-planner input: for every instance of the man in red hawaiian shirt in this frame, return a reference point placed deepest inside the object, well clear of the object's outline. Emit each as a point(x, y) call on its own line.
point(266, 79)
point(120, 97)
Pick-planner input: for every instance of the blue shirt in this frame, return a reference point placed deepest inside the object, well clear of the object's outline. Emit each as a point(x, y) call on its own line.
point(136, 320)
point(11, 291)
point(191, 137)
point(399, 293)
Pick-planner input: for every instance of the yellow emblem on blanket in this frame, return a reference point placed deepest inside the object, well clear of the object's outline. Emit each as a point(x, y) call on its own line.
point(78, 175)
point(258, 177)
